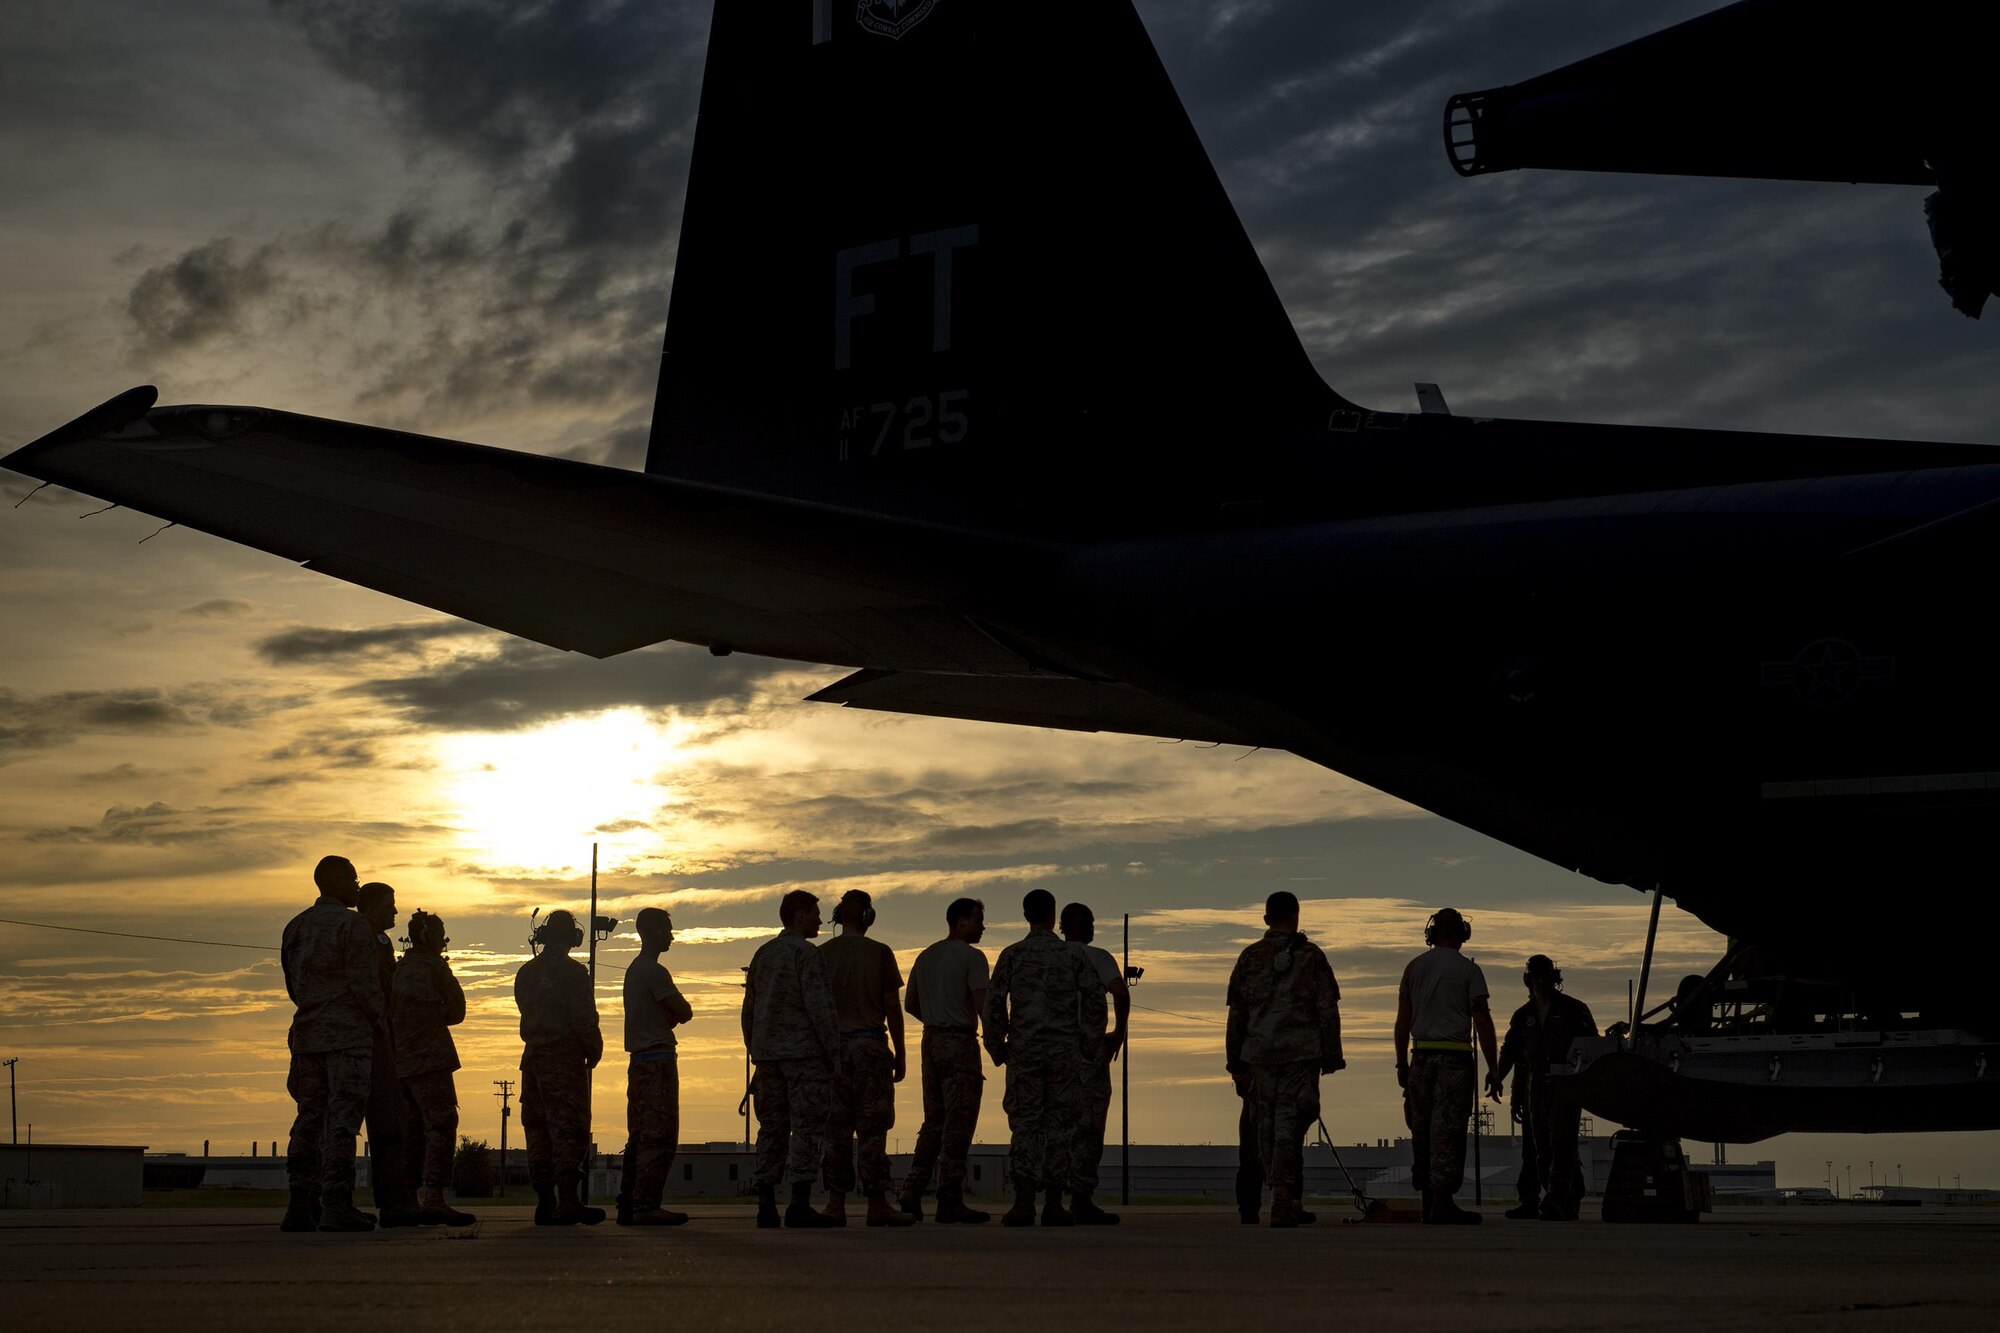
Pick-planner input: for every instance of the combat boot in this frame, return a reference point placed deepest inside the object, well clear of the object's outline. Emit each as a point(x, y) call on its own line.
point(302, 1213)
point(836, 1207)
point(1054, 1214)
point(951, 1208)
point(1088, 1214)
point(625, 1212)
point(571, 1210)
point(1444, 1211)
point(657, 1216)
point(882, 1213)
point(401, 1211)
point(338, 1213)
point(435, 1212)
point(1284, 1211)
point(802, 1214)
point(767, 1206)
point(545, 1205)
point(1525, 1211)
point(1022, 1214)
point(911, 1205)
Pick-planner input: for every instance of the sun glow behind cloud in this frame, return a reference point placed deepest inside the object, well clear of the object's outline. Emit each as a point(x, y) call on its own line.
point(535, 800)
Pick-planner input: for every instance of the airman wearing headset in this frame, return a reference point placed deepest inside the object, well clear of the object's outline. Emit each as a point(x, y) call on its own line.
point(1440, 1004)
point(1539, 1038)
point(867, 1005)
point(563, 1043)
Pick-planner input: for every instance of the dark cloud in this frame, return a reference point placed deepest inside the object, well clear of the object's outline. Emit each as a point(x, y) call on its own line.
point(621, 826)
point(121, 773)
point(316, 644)
point(587, 110)
point(198, 296)
point(42, 722)
point(155, 825)
point(328, 748)
point(524, 684)
point(218, 608)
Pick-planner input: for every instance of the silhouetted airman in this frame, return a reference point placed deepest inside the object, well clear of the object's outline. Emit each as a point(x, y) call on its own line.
point(328, 957)
point(426, 1002)
point(1284, 1033)
point(1079, 927)
point(1045, 998)
point(654, 1007)
point(789, 1026)
point(947, 992)
point(563, 1043)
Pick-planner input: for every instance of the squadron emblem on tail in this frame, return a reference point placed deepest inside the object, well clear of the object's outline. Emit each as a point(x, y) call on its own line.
point(893, 18)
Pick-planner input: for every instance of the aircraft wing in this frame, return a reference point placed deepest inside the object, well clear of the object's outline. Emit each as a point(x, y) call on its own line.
point(593, 559)
point(1064, 702)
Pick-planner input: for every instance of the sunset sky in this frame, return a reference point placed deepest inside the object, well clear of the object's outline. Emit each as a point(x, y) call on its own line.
point(458, 217)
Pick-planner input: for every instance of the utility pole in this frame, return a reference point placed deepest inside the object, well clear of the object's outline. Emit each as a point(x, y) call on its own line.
point(506, 1086)
point(13, 1108)
point(593, 921)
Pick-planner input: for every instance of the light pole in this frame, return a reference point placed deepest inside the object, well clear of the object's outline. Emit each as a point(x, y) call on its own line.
point(13, 1110)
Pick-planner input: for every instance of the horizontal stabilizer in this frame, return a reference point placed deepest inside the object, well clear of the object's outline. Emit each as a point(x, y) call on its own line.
point(594, 559)
point(1062, 702)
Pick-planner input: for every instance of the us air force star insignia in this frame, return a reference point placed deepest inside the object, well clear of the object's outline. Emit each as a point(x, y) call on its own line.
point(1828, 672)
point(893, 18)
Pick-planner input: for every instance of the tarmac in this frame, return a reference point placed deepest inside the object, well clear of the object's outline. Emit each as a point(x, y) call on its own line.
point(1164, 1268)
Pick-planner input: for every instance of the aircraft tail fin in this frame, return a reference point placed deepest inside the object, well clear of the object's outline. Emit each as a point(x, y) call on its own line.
point(967, 261)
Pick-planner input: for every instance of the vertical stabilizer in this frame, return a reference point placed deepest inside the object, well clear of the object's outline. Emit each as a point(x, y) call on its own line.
point(967, 261)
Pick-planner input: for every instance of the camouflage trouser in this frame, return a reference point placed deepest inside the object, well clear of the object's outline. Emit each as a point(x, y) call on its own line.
point(863, 1110)
point(430, 1127)
point(555, 1116)
point(954, 1080)
point(389, 1175)
point(1287, 1098)
point(652, 1128)
point(793, 1099)
point(331, 1089)
point(1437, 1106)
point(1086, 1150)
point(1043, 1101)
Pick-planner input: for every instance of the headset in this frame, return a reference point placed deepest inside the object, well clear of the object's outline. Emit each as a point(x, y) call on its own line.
point(867, 913)
point(426, 931)
point(1541, 965)
point(1447, 924)
point(540, 936)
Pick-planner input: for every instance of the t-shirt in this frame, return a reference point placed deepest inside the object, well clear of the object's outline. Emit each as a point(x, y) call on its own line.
point(942, 981)
point(1442, 985)
point(864, 978)
point(653, 1005)
point(1107, 967)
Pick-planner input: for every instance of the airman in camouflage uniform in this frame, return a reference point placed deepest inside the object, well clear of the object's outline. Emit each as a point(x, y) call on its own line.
point(426, 1003)
point(563, 1044)
point(394, 1162)
point(1044, 1013)
point(329, 963)
point(1079, 927)
point(794, 1039)
point(1284, 1032)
